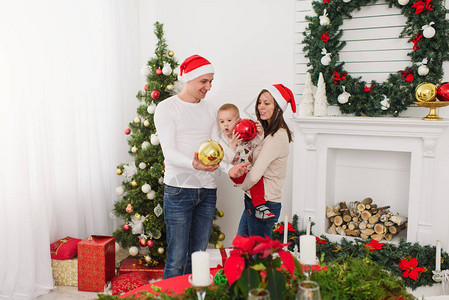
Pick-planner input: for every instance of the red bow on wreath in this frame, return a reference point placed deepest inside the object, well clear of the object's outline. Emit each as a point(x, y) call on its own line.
point(324, 37)
point(408, 75)
point(338, 77)
point(280, 228)
point(416, 40)
point(420, 5)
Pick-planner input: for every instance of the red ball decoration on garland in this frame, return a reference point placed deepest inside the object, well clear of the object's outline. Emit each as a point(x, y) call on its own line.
point(150, 243)
point(145, 87)
point(158, 72)
point(246, 128)
point(443, 91)
point(126, 227)
point(127, 131)
point(155, 95)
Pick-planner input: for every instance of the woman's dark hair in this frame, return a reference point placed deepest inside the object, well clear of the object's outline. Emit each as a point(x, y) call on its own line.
point(277, 119)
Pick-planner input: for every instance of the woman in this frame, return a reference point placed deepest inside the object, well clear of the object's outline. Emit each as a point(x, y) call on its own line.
point(270, 158)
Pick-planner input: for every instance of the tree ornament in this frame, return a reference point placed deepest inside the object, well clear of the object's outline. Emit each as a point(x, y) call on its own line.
point(126, 227)
point(158, 72)
point(158, 210)
point(346, 1)
point(425, 92)
point(155, 94)
point(170, 87)
point(246, 128)
point(145, 70)
point(138, 216)
point(443, 91)
point(133, 183)
point(154, 139)
point(157, 234)
point(221, 236)
point(137, 120)
point(146, 123)
point(423, 70)
point(320, 105)
point(166, 70)
point(137, 224)
point(134, 149)
point(150, 243)
point(324, 19)
point(218, 245)
point(145, 144)
point(119, 190)
point(171, 53)
point(326, 59)
point(129, 208)
point(143, 242)
point(117, 247)
point(220, 279)
point(142, 165)
point(343, 97)
point(385, 103)
point(403, 2)
point(428, 31)
point(160, 250)
point(161, 180)
point(146, 188)
point(119, 171)
point(210, 153)
point(127, 131)
point(151, 195)
point(130, 170)
point(152, 107)
point(220, 213)
point(148, 258)
point(133, 251)
point(145, 87)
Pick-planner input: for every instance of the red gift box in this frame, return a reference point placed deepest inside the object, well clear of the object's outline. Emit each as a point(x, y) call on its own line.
point(96, 262)
point(137, 265)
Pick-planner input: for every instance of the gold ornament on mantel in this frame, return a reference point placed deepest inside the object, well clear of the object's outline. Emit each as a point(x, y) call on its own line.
point(426, 93)
point(210, 153)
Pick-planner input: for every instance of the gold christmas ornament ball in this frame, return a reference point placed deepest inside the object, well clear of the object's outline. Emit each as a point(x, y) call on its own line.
point(137, 216)
point(133, 183)
point(221, 236)
point(426, 92)
point(119, 171)
point(210, 153)
point(171, 53)
point(160, 250)
point(220, 214)
point(148, 258)
point(218, 245)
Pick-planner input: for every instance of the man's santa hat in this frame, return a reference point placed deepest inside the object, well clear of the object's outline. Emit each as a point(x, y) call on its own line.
point(195, 66)
point(283, 96)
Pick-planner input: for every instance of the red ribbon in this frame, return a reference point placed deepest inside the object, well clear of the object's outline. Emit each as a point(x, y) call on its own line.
point(420, 5)
point(408, 75)
point(368, 89)
point(280, 228)
point(416, 40)
point(324, 37)
point(338, 77)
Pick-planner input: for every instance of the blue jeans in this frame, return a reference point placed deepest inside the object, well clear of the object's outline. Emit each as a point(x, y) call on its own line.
point(250, 226)
point(188, 215)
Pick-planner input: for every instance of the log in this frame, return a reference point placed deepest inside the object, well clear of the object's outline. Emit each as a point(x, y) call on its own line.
point(353, 225)
point(360, 207)
point(384, 218)
point(355, 232)
point(362, 225)
point(377, 237)
point(395, 229)
point(340, 231)
point(330, 212)
point(344, 226)
point(398, 220)
point(379, 228)
point(367, 231)
point(332, 229)
point(355, 219)
point(388, 223)
point(364, 236)
point(365, 215)
point(388, 237)
point(347, 217)
point(380, 210)
point(373, 219)
point(367, 200)
point(338, 220)
point(342, 206)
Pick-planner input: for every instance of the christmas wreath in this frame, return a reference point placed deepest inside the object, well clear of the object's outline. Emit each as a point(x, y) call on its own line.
point(428, 30)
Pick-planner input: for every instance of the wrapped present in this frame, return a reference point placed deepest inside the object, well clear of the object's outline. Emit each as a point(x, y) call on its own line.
point(65, 248)
point(96, 262)
point(217, 257)
point(130, 265)
point(126, 282)
point(65, 272)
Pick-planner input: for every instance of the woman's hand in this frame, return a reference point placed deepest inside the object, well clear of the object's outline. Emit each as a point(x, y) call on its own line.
point(259, 128)
point(198, 165)
point(235, 140)
point(238, 170)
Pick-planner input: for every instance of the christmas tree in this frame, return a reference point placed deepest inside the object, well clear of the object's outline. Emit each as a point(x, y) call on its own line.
point(141, 194)
point(320, 105)
point(306, 106)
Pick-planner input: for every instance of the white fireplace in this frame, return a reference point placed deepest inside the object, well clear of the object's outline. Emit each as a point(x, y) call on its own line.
point(347, 159)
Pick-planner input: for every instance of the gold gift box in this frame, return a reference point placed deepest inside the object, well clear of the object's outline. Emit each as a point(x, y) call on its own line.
point(65, 272)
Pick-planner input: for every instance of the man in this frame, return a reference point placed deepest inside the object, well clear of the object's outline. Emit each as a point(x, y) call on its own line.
point(183, 123)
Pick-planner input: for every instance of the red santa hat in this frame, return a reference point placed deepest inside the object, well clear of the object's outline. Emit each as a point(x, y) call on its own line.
point(283, 96)
point(195, 66)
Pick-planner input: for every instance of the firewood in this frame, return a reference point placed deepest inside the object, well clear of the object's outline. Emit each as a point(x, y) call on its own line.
point(373, 205)
point(388, 223)
point(369, 225)
point(367, 231)
point(379, 228)
point(332, 219)
point(377, 237)
point(338, 220)
point(340, 231)
point(388, 237)
point(347, 217)
point(355, 232)
point(353, 225)
point(373, 219)
point(380, 210)
point(344, 226)
point(398, 220)
point(365, 215)
point(355, 219)
point(383, 218)
point(330, 212)
point(395, 229)
point(367, 201)
point(332, 229)
point(360, 207)
point(362, 225)
point(364, 236)
point(343, 206)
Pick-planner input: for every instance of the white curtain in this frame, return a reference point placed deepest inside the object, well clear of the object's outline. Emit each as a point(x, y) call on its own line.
point(69, 72)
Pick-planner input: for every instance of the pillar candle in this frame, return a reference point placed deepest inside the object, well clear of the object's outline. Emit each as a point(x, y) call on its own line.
point(200, 269)
point(307, 249)
point(309, 224)
point(438, 257)
point(285, 229)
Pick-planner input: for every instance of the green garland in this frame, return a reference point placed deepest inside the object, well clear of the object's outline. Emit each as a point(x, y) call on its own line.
point(400, 86)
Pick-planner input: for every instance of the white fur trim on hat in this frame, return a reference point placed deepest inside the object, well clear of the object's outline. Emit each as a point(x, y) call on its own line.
point(277, 97)
point(206, 69)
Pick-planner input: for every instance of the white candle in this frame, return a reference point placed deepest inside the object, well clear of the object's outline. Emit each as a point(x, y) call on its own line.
point(307, 249)
point(309, 224)
point(285, 229)
point(438, 257)
point(200, 269)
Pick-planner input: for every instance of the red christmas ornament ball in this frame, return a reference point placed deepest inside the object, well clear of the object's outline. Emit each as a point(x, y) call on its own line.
point(150, 243)
point(145, 87)
point(127, 131)
point(143, 242)
point(158, 72)
point(443, 91)
point(126, 227)
point(246, 128)
point(155, 95)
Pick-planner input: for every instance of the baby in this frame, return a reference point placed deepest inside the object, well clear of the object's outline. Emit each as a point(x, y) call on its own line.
point(238, 151)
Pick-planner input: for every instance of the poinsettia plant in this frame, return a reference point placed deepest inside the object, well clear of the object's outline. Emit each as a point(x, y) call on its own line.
point(257, 262)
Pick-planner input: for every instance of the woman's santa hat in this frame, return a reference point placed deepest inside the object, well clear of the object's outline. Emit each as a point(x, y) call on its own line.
point(283, 96)
point(195, 66)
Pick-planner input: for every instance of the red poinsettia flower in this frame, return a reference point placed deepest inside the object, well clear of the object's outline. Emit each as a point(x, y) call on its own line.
point(324, 37)
point(374, 245)
point(410, 268)
point(320, 241)
point(280, 228)
point(233, 268)
point(368, 89)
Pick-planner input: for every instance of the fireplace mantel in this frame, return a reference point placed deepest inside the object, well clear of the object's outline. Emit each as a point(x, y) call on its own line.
point(316, 137)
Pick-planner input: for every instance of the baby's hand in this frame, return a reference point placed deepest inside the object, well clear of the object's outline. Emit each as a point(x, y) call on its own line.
point(235, 140)
point(259, 128)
